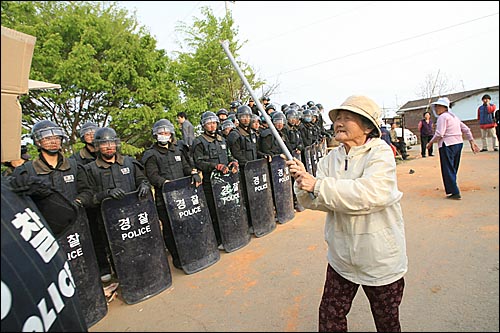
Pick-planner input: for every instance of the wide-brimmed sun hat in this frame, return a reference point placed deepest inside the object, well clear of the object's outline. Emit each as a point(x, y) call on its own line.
point(441, 101)
point(361, 105)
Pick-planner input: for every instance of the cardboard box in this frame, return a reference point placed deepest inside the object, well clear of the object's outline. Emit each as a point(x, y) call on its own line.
point(17, 53)
point(11, 127)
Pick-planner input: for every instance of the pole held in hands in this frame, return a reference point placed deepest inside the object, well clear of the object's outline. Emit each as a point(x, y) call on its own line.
point(225, 46)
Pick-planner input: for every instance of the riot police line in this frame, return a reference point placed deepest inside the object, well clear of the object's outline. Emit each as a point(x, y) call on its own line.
point(248, 202)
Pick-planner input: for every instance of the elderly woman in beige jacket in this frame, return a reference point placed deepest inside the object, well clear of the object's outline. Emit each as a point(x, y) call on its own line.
point(356, 184)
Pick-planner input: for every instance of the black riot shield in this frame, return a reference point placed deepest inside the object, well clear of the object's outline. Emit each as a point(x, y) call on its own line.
point(307, 159)
point(233, 221)
point(297, 155)
point(191, 224)
point(324, 147)
point(76, 242)
point(314, 158)
point(260, 196)
point(282, 189)
point(319, 152)
point(137, 246)
point(38, 290)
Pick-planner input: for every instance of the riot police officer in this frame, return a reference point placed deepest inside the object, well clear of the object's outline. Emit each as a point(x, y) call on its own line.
point(268, 144)
point(88, 153)
point(210, 152)
point(243, 143)
point(49, 171)
point(110, 175)
point(226, 127)
point(164, 161)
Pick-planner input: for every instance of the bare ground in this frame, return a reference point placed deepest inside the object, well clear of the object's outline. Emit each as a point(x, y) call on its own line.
point(275, 282)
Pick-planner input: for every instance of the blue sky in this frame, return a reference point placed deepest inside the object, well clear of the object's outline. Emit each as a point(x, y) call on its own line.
point(327, 51)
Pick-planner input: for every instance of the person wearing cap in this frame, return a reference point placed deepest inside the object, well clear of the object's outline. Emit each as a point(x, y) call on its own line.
point(356, 185)
point(255, 109)
point(487, 123)
point(448, 135)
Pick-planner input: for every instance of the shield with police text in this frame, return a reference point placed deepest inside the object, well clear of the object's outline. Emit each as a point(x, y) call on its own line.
point(38, 289)
point(282, 189)
point(307, 159)
point(137, 246)
point(314, 158)
point(231, 214)
point(191, 223)
point(76, 242)
point(260, 196)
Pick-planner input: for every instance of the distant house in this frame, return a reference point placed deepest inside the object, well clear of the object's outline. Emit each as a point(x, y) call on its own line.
point(463, 104)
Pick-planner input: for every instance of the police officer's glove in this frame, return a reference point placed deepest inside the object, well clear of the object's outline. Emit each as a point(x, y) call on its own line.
point(195, 178)
point(116, 193)
point(77, 203)
point(234, 166)
point(35, 187)
point(144, 188)
point(222, 168)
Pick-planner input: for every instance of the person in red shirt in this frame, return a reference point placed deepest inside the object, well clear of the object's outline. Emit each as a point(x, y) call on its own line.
point(487, 123)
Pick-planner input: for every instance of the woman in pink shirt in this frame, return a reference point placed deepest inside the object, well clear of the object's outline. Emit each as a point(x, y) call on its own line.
point(448, 135)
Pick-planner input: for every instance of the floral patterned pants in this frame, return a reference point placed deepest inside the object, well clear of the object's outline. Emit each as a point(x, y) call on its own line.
point(339, 293)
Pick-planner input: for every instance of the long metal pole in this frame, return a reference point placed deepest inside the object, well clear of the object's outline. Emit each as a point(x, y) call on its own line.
point(225, 46)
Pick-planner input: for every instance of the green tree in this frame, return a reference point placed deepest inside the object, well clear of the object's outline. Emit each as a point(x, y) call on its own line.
point(107, 65)
point(204, 74)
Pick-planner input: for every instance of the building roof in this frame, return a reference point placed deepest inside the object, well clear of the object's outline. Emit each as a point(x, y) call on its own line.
point(424, 102)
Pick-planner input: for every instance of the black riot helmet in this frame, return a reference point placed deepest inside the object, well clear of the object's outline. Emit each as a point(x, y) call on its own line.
point(208, 116)
point(104, 135)
point(234, 104)
point(320, 106)
point(310, 103)
point(307, 116)
point(270, 107)
point(292, 114)
point(278, 117)
point(284, 107)
point(266, 98)
point(226, 124)
point(222, 111)
point(44, 129)
point(243, 110)
point(88, 127)
point(244, 114)
point(162, 125)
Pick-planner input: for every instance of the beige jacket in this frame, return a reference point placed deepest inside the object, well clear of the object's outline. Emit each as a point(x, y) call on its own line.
point(364, 226)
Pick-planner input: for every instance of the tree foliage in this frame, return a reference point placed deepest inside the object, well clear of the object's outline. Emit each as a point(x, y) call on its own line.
point(111, 72)
point(205, 75)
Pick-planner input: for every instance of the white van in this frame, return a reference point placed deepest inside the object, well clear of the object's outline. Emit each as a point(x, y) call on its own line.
point(410, 137)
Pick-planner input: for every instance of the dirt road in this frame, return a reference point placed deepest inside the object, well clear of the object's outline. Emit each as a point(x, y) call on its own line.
point(274, 284)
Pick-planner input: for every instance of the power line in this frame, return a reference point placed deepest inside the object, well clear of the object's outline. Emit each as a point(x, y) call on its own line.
point(383, 45)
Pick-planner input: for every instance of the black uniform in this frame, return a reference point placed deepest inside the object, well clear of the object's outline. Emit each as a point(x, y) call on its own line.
point(268, 144)
point(243, 145)
point(61, 178)
point(162, 164)
point(208, 152)
point(95, 180)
